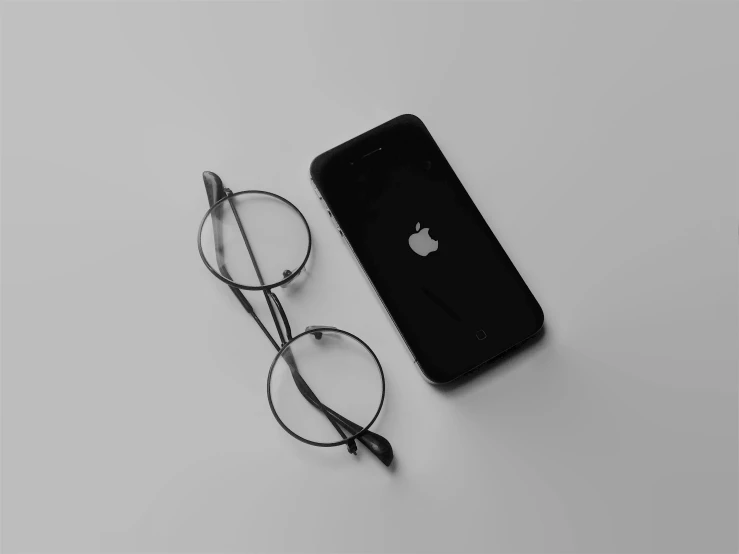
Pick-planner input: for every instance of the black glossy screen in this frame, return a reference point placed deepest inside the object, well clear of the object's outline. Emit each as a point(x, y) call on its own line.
point(457, 306)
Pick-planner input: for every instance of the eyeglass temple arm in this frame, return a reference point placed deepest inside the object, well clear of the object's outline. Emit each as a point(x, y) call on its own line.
point(283, 316)
point(267, 294)
point(216, 192)
point(377, 444)
point(302, 386)
point(310, 396)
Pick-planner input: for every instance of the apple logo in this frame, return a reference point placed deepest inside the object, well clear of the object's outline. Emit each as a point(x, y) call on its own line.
point(421, 243)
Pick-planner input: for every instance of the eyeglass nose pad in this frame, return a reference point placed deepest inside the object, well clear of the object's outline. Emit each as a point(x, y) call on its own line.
point(286, 274)
point(318, 334)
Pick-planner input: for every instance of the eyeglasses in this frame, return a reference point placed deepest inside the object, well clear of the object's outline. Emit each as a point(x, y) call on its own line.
point(325, 386)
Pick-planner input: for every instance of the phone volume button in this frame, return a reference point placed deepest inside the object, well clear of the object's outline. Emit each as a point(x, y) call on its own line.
point(315, 189)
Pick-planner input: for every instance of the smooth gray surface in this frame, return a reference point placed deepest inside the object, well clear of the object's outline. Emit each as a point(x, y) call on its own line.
point(600, 142)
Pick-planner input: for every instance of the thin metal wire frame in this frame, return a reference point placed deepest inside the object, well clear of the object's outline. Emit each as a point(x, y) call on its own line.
point(378, 445)
point(286, 354)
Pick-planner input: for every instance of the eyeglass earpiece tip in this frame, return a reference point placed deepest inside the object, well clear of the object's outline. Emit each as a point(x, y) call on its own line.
point(209, 175)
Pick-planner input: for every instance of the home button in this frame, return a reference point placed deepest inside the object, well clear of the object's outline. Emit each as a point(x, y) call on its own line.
point(481, 335)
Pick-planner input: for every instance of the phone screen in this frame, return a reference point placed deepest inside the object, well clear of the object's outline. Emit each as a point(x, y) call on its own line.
point(449, 286)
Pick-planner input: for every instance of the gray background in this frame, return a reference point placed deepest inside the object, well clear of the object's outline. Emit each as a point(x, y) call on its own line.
point(599, 141)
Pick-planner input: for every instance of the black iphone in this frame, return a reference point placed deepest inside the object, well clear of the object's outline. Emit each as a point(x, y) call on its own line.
point(453, 293)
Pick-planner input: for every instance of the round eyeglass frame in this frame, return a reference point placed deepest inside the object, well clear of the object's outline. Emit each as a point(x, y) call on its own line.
point(313, 331)
point(270, 286)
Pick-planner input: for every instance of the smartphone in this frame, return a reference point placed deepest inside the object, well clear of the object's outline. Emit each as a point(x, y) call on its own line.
point(454, 295)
